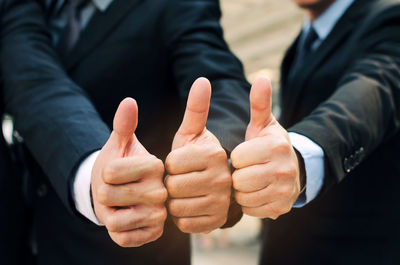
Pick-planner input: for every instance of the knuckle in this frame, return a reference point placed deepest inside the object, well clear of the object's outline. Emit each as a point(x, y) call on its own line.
point(225, 201)
point(172, 207)
point(285, 192)
point(184, 225)
point(219, 154)
point(123, 240)
point(240, 198)
point(170, 164)
point(156, 196)
point(112, 223)
point(275, 212)
point(235, 158)
point(170, 185)
point(280, 146)
point(274, 217)
point(286, 209)
point(164, 215)
point(156, 234)
point(103, 194)
point(236, 180)
point(160, 215)
point(248, 211)
point(158, 166)
point(162, 195)
point(109, 173)
point(220, 221)
point(284, 173)
point(223, 180)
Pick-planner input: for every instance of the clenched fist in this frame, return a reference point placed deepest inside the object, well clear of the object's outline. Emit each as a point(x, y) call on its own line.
point(127, 184)
point(267, 175)
point(199, 178)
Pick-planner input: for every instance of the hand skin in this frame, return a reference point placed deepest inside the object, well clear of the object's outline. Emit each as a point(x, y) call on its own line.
point(267, 175)
point(199, 179)
point(127, 184)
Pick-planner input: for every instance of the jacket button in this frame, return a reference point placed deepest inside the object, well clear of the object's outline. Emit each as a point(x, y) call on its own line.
point(346, 165)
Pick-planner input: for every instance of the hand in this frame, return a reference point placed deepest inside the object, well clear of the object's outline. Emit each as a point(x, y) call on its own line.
point(127, 184)
point(267, 176)
point(199, 179)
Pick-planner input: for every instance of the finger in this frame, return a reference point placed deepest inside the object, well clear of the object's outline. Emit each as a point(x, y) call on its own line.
point(187, 159)
point(200, 224)
point(260, 102)
point(126, 219)
point(146, 192)
point(252, 152)
point(192, 207)
point(272, 193)
point(137, 237)
point(254, 199)
point(188, 185)
point(198, 103)
point(252, 178)
point(131, 169)
point(125, 121)
point(270, 210)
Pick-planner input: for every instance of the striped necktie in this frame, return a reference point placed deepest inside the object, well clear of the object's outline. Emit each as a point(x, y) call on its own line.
point(70, 34)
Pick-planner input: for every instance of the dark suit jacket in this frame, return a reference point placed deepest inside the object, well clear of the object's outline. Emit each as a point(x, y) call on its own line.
point(50, 111)
point(152, 51)
point(347, 100)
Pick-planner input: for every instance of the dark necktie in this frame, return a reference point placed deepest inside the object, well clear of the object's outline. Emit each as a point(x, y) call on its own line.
point(70, 35)
point(303, 50)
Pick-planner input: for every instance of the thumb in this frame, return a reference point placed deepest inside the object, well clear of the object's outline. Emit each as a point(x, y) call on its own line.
point(196, 113)
point(260, 102)
point(125, 121)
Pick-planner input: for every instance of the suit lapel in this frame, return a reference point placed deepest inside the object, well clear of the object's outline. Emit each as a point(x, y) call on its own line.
point(98, 29)
point(341, 30)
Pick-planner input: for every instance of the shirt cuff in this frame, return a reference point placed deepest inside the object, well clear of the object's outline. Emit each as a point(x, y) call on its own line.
point(81, 189)
point(313, 157)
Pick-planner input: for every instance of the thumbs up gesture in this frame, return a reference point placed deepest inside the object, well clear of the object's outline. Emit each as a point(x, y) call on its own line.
point(199, 179)
point(127, 184)
point(267, 175)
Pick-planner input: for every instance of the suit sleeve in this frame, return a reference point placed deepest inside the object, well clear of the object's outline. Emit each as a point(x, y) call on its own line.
point(364, 112)
point(59, 124)
point(197, 48)
point(195, 39)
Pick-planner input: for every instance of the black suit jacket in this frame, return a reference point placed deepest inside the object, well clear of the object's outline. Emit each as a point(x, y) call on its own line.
point(347, 100)
point(50, 111)
point(152, 51)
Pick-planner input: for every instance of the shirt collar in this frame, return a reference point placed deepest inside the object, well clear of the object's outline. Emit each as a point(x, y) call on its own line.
point(102, 5)
point(324, 24)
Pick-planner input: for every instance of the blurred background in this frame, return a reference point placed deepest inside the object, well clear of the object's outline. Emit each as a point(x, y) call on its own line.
point(258, 32)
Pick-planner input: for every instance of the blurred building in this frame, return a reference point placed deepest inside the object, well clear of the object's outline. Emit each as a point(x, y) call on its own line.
point(258, 32)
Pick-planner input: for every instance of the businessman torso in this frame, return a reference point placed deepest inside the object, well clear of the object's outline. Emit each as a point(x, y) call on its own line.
point(353, 221)
point(15, 216)
point(151, 51)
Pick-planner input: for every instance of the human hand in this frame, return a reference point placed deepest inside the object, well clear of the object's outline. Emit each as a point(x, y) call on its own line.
point(127, 184)
point(199, 178)
point(267, 175)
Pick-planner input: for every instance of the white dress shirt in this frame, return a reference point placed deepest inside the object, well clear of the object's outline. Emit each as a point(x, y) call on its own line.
point(312, 153)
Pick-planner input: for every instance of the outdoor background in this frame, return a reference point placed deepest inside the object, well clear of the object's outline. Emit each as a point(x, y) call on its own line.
point(258, 32)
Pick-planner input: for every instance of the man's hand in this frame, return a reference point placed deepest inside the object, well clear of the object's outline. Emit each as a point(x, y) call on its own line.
point(199, 178)
point(127, 184)
point(267, 178)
